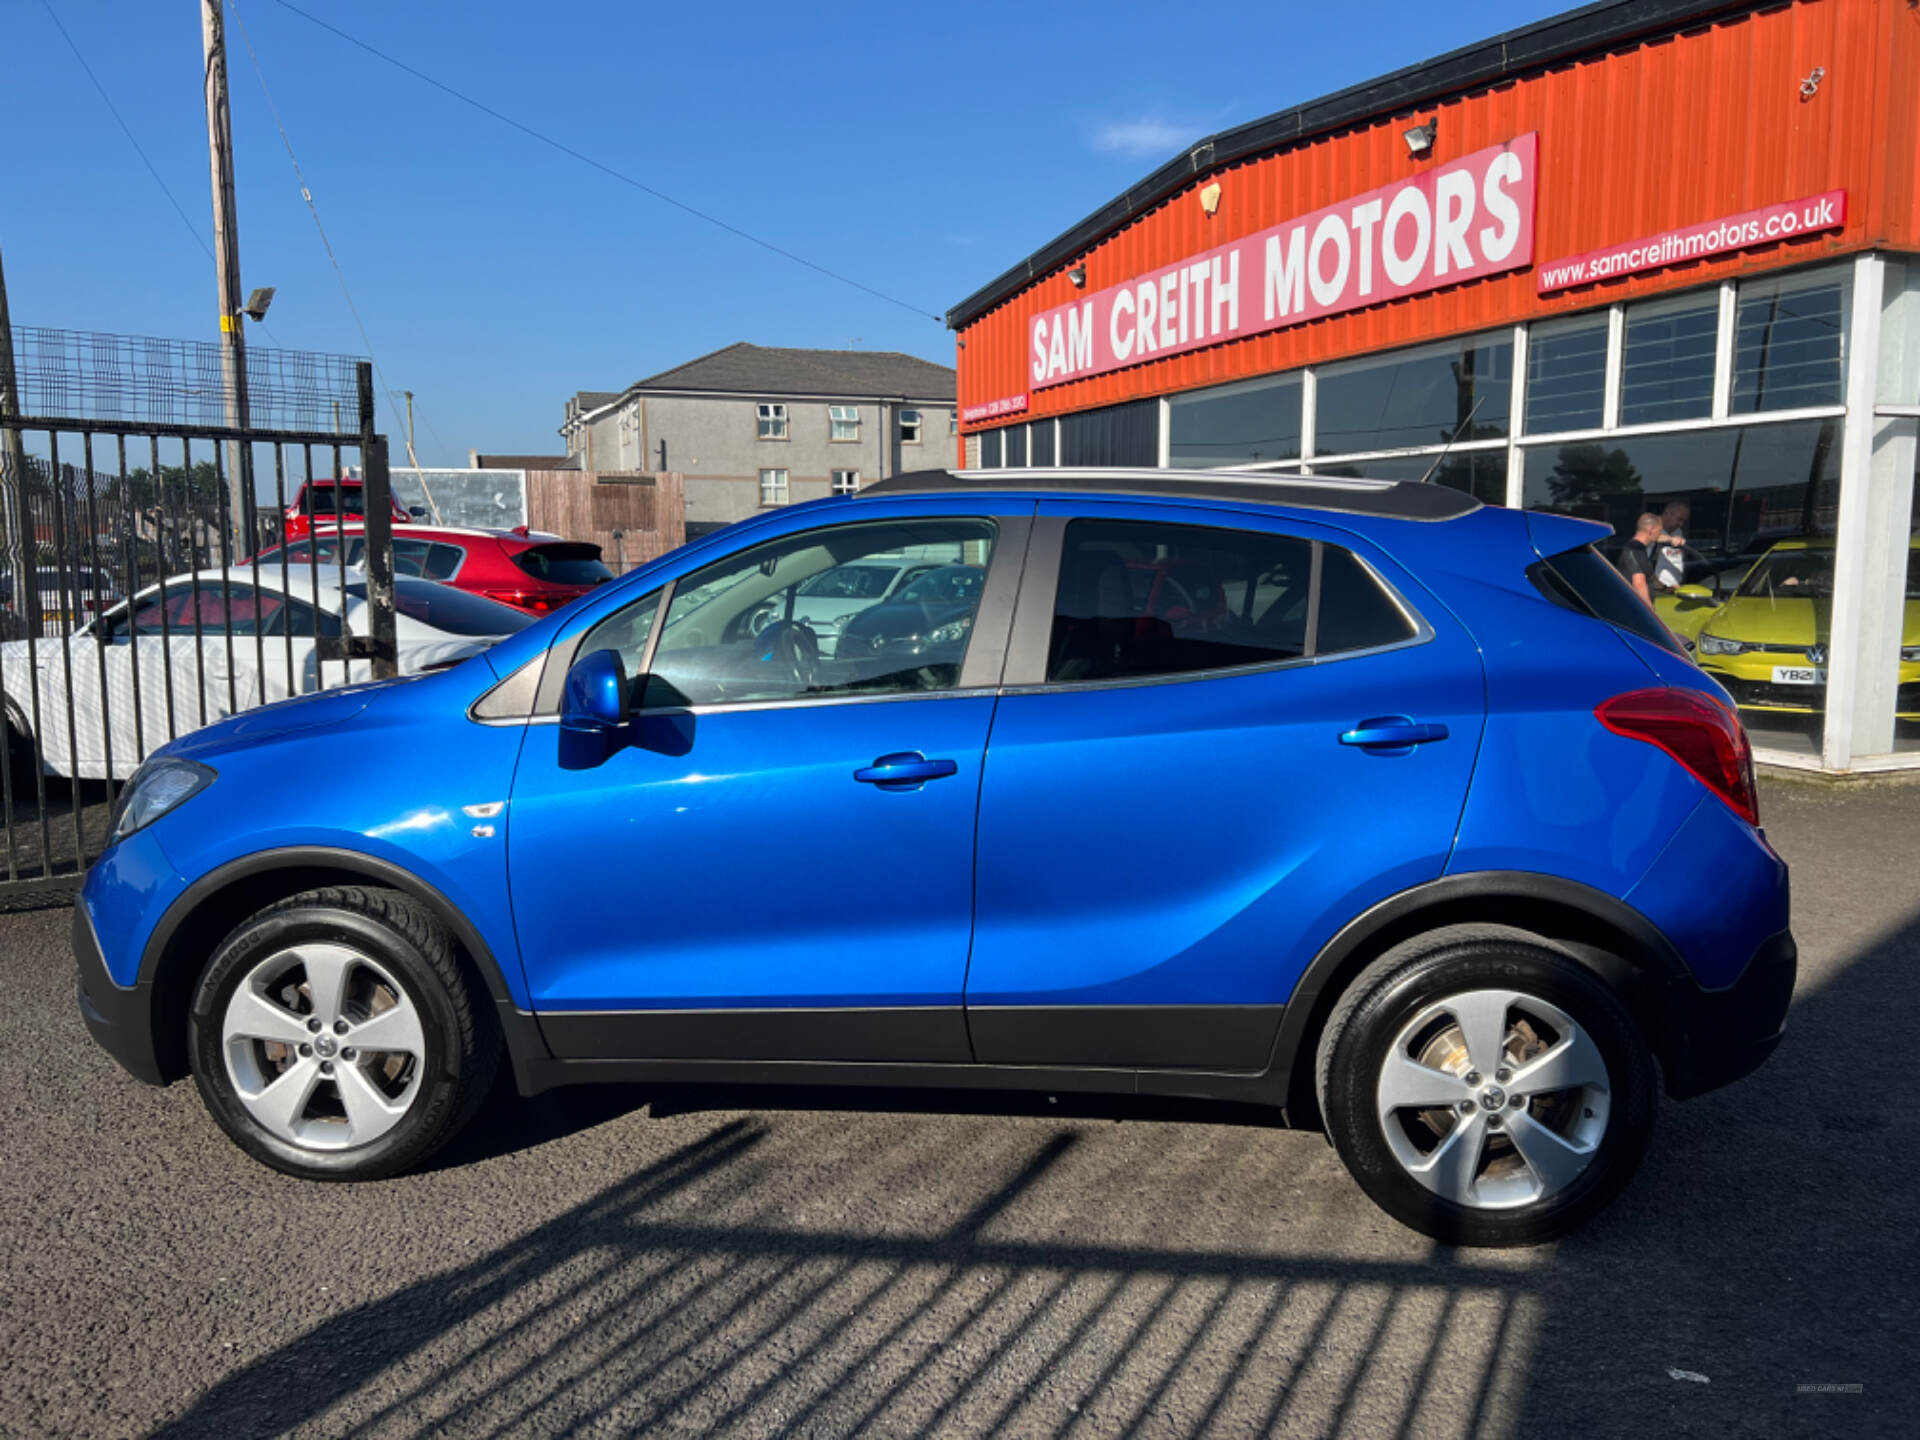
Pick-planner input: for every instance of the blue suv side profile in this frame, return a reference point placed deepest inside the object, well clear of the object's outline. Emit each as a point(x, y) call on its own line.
point(1353, 799)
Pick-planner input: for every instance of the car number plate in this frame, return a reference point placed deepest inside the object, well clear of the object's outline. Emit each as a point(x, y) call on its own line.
point(1799, 675)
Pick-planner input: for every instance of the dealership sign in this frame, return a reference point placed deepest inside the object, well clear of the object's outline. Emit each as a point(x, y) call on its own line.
point(1696, 242)
point(1460, 221)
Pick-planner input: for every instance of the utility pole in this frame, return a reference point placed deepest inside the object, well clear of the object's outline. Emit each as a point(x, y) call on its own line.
point(226, 244)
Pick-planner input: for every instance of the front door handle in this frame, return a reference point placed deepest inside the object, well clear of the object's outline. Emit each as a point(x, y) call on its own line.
point(1392, 734)
point(907, 770)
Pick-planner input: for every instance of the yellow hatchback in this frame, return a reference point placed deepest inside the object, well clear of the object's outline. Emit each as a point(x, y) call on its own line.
point(1768, 643)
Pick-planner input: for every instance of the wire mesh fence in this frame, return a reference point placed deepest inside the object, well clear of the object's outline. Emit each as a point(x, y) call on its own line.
point(141, 379)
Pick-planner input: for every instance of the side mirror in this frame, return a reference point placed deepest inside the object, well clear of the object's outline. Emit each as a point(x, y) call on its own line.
point(418, 512)
point(597, 695)
point(1693, 592)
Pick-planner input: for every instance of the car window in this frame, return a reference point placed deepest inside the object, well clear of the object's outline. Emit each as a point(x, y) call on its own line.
point(320, 500)
point(443, 561)
point(1138, 599)
point(568, 563)
point(732, 634)
point(1791, 574)
point(851, 582)
point(213, 609)
point(454, 612)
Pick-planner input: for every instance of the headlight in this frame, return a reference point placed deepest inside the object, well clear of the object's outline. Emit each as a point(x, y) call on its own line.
point(159, 786)
point(1714, 645)
point(1910, 652)
point(953, 630)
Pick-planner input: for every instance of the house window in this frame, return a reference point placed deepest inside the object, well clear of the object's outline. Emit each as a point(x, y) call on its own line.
point(953, 424)
point(773, 487)
point(846, 482)
point(845, 422)
point(773, 422)
point(909, 427)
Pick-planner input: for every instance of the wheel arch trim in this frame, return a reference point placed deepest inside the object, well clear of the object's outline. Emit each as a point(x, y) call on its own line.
point(1478, 895)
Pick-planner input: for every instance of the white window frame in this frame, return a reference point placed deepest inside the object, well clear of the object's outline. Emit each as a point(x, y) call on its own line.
point(774, 488)
point(845, 482)
point(770, 421)
point(839, 415)
point(910, 429)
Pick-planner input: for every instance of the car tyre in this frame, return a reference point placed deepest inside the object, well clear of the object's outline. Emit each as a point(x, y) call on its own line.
point(1406, 1053)
point(276, 1015)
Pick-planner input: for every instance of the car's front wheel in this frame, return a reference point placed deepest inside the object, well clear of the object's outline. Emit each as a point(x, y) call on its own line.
point(1487, 1090)
point(333, 1036)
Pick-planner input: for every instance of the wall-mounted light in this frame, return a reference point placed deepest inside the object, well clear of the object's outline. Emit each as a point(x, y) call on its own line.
point(1420, 138)
point(1210, 197)
point(1078, 275)
point(257, 303)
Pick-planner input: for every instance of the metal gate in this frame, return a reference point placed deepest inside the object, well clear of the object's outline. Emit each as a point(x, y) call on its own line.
point(162, 568)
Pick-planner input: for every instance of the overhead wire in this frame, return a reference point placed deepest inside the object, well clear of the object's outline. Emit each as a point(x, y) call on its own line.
point(132, 140)
point(306, 194)
point(607, 169)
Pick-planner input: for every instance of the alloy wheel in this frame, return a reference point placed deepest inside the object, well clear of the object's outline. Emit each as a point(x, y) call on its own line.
point(1493, 1099)
point(323, 1046)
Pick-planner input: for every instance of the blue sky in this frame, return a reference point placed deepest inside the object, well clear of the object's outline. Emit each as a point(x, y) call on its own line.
point(921, 150)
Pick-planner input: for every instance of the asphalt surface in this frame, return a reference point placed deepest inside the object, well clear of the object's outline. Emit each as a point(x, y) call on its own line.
point(664, 1262)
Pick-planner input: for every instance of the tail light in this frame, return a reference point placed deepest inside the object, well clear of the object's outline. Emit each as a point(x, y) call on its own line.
point(540, 602)
point(1698, 731)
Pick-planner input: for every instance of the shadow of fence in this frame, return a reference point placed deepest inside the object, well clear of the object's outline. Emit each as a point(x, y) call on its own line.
point(659, 1307)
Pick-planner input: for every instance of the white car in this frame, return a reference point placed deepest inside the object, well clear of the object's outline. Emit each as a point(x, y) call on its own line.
point(833, 597)
point(201, 647)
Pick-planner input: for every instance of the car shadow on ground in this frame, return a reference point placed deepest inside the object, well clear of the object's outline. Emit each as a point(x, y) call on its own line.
point(1768, 1247)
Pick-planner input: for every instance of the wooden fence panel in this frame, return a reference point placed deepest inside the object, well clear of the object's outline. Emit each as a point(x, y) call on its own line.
point(633, 518)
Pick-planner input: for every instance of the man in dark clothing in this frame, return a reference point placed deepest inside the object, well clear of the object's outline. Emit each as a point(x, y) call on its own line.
point(1636, 559)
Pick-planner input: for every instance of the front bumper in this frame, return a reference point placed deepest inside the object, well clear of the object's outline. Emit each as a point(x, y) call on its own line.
point(120, 1019)
point(1713, 1037)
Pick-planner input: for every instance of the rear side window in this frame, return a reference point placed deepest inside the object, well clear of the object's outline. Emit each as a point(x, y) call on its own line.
point(453, 611)
point(1582, 580)
point(1141, 599)
point(572, 564)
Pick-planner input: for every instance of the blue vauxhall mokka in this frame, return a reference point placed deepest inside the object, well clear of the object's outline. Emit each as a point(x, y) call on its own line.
point(1358, 800)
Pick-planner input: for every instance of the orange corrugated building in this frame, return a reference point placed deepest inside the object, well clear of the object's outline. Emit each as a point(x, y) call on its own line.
point(1650, 254)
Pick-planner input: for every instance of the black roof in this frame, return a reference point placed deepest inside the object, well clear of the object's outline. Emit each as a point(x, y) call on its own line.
point(1397, 499)
point(1588, 30)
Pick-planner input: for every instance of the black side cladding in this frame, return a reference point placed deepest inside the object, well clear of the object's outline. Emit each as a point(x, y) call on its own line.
point(1583, 581)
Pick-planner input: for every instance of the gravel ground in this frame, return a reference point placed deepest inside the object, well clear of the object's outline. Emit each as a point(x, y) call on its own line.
point(644, 1260)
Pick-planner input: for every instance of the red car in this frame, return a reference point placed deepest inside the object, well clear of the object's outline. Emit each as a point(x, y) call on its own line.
point(327, 499)
point(532, 572)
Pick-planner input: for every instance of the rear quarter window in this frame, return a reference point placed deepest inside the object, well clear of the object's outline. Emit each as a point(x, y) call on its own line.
point(1584, 581)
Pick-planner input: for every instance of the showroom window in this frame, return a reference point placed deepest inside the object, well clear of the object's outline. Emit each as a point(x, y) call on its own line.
point(1252, 423)
point(1480, 473)
point(843, 422)
point(1567, 375)
point(773, 487)
point(1040, 443)
point(992, 449)
point(772, 422)
point(1415, 397)
point(1667, 359)
point(1140, 599)
point(1787, 351)
point(1014, 438)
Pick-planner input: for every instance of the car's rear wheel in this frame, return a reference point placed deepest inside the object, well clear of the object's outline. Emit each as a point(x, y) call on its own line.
point(1487, 1091)
point(333, 1036)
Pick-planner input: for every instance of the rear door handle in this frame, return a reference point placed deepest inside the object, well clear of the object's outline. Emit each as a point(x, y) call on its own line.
point(907, 770)
point(1392, 734)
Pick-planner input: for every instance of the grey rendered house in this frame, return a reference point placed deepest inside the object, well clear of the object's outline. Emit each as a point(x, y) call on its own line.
point(752, 426)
